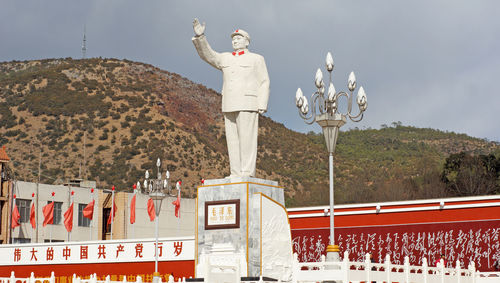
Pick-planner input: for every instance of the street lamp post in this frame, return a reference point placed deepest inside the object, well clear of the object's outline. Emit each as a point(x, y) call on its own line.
point(324, 111)
point(157, 190)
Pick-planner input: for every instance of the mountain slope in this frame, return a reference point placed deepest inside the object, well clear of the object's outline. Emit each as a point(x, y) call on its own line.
point(109, 120)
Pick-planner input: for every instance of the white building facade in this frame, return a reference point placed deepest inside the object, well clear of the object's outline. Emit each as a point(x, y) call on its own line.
point(85, 229)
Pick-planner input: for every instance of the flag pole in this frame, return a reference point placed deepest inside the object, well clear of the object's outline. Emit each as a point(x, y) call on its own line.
point(69, 205)
point(32, 203)
point(133, 226)
point(90, 224)
point(112, 209)
point(52, 224)
point(179, 218)
point(12, 201)
point(71, 202)
point(11, 222)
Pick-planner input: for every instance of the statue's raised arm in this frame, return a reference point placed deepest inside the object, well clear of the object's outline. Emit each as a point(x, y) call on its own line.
point(204, 50)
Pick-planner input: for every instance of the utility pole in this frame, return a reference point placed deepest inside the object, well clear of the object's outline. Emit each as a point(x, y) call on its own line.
point(37, 193)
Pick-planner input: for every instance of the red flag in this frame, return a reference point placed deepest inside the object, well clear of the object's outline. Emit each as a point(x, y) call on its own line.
point(177, 204)
point(88, 211)
point(15, 216)
point(132, 210)
point(114, 212)
point(151, 209)
point(32, 216)
point(68, 218)
point(48, 214)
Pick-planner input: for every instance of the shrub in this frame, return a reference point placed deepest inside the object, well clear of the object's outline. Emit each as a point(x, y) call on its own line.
point(104, 136)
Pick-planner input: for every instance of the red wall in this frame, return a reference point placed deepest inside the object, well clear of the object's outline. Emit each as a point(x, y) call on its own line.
point(464, 234)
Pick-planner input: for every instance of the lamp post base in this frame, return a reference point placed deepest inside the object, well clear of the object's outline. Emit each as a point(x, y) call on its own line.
point(332, 253)
point(156, 277)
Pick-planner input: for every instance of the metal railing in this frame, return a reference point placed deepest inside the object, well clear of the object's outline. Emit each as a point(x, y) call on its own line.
point(366, 271)
point(31, 279)
point(341, 271)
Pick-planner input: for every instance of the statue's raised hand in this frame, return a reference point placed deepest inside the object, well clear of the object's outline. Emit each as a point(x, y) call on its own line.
point(199, 29)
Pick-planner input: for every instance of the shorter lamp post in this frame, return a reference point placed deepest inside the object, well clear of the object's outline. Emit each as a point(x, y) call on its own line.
point(157, 189)
point(324, 111)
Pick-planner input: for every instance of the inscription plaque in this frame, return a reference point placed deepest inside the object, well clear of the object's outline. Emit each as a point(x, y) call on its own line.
point(222, 214)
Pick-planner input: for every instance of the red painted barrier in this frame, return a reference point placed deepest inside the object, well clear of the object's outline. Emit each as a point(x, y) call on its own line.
point(464, 229)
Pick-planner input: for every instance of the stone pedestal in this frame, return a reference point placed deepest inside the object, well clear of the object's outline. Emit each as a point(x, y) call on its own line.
point(229, 215)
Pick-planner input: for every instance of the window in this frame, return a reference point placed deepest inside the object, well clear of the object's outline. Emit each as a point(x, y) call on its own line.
point(57, 212)
point(23, 205)
point(21, 240)
point(106, 228)
point(53, 241)
point(82, 221)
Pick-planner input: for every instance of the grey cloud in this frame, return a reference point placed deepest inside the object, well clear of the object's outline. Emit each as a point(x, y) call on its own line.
point(425, 63)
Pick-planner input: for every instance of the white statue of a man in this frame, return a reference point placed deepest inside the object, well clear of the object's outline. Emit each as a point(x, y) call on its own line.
point(245, 93)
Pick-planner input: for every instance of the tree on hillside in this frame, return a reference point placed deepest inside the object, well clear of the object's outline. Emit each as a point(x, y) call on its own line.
point(468, 175)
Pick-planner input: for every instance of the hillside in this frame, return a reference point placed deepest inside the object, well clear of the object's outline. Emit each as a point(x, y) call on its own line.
point(109, 120)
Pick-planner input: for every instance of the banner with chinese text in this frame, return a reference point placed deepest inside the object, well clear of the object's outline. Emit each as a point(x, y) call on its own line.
point(97, 252)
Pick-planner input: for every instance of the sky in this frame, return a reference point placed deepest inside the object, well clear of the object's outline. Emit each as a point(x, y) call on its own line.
point(429, 64)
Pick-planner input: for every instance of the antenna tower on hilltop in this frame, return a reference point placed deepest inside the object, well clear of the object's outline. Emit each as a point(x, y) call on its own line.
point(84, 45)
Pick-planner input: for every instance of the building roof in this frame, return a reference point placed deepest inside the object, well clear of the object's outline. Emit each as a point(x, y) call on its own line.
point(3, 155)
point(440, 210)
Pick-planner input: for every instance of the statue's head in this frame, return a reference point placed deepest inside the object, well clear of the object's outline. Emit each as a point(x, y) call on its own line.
point(240, 39)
